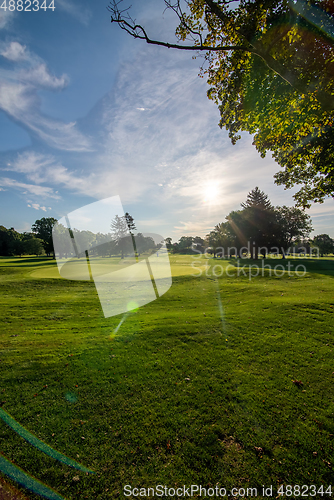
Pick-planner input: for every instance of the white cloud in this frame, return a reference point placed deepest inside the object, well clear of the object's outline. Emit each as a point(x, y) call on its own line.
point(41, 191)
point(176, 145)
point(19, 99)
point(37, 206)
point(30, 163)
point(40, 169)
point(40, 76)
point(163, 146)
point(15, 99)
point(21, 103)
point(14, 51)
point(6, 18)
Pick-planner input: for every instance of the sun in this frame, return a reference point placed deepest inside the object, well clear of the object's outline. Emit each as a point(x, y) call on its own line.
point(210, 192)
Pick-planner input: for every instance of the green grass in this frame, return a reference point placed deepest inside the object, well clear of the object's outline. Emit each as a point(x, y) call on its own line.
point(194, 388)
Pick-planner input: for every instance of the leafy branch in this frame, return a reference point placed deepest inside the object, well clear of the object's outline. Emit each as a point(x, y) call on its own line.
point(128, 24)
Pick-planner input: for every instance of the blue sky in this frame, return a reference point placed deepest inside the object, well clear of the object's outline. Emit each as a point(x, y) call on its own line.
point(86, 112)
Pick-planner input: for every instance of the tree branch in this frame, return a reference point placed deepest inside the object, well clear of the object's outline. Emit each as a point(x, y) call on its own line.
point(124, 20)
point(182, 16)
point(129, 25)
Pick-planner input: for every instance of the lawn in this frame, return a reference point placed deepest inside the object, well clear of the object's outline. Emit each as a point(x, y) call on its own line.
point(224, 381)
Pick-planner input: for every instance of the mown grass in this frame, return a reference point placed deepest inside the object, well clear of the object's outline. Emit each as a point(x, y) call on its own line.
point(194, 388)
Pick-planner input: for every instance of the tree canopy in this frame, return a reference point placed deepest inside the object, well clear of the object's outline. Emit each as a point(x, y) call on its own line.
point(324, 243)
point(43, 230)
point(259, 227)
point(270, 68)
point(14, 243)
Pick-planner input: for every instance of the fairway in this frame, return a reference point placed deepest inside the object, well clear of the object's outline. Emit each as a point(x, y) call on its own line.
point(179, 265)
point(224, 381)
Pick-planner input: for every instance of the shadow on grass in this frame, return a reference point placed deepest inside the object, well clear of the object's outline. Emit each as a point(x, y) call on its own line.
point(25, 261)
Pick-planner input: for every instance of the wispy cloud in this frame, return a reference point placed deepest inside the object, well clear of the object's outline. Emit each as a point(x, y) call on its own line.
point(39, 76)
point(162, 125)
point(47, 169)
point(40, 191)
point(33, 70)
point(160, 146)
point(19, 99)
point(6, 17)
point(14, 51)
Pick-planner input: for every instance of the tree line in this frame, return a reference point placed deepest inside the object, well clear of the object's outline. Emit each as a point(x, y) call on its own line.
point(36, 242)
point(120, 240)
point(258, 228)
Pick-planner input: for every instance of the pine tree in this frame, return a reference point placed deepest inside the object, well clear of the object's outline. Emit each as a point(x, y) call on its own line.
point(258, 199)
point(130, 222)
point(259, 219)
point(120, 231)
point(132, 227)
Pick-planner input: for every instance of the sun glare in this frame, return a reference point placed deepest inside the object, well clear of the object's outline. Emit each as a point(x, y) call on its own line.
point(210, 192)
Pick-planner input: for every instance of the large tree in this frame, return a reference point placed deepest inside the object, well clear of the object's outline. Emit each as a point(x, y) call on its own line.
point(255, 225)
point(270, 67)
point(259, 228)
point(293, 225)
point(42, 228)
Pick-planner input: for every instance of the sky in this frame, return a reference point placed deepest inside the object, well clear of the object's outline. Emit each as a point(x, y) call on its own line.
point(87, 113)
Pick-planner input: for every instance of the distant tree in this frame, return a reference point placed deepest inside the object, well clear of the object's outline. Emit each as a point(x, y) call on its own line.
point(10, 242)
point(212, 240)
point(144, 243)
point(225, 240)
point(120, 234)
point(64, 243)
point(168, 242)
point(83, 239)
point(42, 228)
point(33, 246)
point(175, 247)
point(103, 246)
point(325, 244)
point(18, 247)
point(199, 244)
point(185, 244)
point(293, 224)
